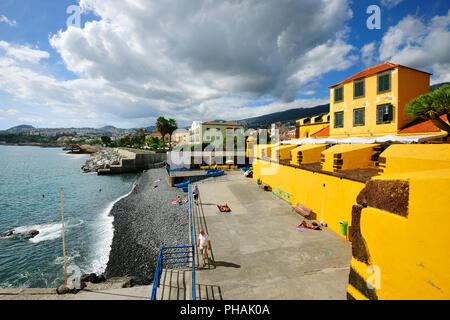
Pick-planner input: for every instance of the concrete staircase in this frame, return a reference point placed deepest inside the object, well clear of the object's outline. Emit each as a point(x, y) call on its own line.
point(176, 284)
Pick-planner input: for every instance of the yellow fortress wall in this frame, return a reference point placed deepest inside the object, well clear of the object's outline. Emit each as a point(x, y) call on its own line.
point(314, 190)
point(282, 152)
point(399, 221)
point(411, 253)
point(417, 157)
point(307, 153)
point(349, 156)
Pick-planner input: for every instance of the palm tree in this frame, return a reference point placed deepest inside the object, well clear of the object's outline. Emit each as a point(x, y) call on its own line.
point(432, 106)
point(162, 126)
point(172, 126)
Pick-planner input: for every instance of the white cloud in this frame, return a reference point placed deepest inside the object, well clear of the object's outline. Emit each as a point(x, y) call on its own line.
point(11, 112)
point(4, 19)
point(417, 43)
point(390, 3)
point(22, 53)
point(367, 53)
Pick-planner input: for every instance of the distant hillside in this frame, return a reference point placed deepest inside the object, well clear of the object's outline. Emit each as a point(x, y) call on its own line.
point(287, 117)
point(24, 128)
point(438, 85)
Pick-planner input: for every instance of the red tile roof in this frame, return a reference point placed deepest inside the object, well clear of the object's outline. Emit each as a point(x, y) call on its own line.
point(374, 70)
point(157, 134)
point(223, 123)
point(324, 132)
point(421, 125)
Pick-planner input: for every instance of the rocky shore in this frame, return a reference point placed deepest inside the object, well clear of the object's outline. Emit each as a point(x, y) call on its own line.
point(102, 159)
point(143, 223)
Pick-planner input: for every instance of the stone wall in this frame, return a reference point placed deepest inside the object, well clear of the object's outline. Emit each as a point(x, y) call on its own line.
point(131, 162)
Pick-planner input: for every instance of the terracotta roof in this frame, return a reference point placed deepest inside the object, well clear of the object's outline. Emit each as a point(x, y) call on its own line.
point(324, 132)
point(421, 125)
point(157, 134)
point(290, 133)
point(223, 123)
point(374, 70)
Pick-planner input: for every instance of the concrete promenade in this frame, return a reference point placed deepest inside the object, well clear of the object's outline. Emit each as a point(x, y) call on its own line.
point(256, 251)
point(257, 254)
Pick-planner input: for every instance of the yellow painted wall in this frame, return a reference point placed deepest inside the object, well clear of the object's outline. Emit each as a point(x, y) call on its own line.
point(411, 253)
point(264, 148)
point(413, 84)
point(415, 157)
point(353, 155)
point(250, 147)
point(282, 151)
point(307, 130)
point(406, 84)
point(330, 197)
point(311, 153)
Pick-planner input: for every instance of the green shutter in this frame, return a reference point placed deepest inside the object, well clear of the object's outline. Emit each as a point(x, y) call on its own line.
point(379, 114)
point(358, 89)
point(338, 94)
point(391, 112)
point(358, 117)
point(380, 84)
point(338, 119)
point(384, 82)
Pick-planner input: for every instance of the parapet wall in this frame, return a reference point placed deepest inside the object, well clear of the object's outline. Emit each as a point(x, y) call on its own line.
point(399, 220)
point(329, 197)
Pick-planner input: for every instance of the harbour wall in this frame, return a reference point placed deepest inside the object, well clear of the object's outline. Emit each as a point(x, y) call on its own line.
point(132, 162)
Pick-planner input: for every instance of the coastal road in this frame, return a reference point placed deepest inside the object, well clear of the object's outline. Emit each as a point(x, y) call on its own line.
point(257, 253)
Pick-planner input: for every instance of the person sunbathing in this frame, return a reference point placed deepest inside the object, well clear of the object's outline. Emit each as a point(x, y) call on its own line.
point(224, 208)
point(313, 226)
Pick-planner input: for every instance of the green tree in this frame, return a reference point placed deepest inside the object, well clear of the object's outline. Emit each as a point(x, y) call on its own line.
point(162, 126)
point(432, 106)
point(153, 142)
point(125, 141)
point(106, 140)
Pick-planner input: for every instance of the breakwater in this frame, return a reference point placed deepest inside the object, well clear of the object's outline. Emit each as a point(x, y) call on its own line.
point(115, 161)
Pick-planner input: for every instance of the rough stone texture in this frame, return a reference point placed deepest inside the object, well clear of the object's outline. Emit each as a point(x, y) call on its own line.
point(388, 195)
point(143, 224)
point(361, 285)
point(359, 248)
point(12, 234)
point(102, 159)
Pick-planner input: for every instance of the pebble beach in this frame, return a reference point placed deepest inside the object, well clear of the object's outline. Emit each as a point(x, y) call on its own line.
point(145, 222)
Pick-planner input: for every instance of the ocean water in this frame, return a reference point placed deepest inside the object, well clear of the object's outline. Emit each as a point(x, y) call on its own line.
point(27, 173)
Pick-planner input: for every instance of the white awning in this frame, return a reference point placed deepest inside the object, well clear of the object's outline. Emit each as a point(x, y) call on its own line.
point(367, 140)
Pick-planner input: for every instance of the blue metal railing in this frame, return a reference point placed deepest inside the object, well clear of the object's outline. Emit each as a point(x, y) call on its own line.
point(192, 242)
point(176, 255)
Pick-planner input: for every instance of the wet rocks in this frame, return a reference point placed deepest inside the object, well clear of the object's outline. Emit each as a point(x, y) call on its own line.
point(92, 278)
point(23, 235)
point(102, 159)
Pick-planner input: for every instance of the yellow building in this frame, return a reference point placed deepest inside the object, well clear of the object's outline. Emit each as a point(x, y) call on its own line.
point(373, 101)
point(305, 127)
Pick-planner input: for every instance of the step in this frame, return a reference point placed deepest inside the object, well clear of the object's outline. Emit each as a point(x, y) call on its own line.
point(175, 284)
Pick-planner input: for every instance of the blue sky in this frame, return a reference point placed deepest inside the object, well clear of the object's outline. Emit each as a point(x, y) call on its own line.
point(133, 61)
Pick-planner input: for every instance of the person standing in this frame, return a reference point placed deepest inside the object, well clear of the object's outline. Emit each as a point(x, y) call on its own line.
point(204, 243)
point(196, 193)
